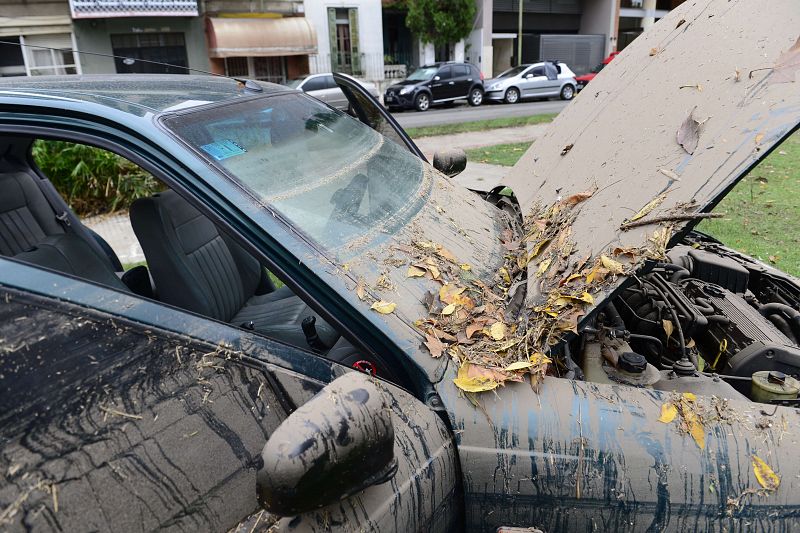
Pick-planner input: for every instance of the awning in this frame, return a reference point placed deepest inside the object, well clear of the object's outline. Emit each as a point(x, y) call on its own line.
point(260, 37)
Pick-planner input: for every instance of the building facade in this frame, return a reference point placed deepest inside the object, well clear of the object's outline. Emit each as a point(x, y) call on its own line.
point(350, 37)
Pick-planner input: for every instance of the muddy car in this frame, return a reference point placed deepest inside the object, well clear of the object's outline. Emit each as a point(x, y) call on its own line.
point(574, 356)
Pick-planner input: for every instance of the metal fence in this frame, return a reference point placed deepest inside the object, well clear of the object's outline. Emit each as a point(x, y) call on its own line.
point(371, 67)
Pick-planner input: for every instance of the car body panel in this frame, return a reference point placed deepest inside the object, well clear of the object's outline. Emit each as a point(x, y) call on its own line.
point(531, 83)
point(624, 146)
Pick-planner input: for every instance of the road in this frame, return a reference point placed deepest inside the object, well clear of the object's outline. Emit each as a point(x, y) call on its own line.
point(465, 113)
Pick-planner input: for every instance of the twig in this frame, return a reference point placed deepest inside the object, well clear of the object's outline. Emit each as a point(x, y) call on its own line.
point(113, 411)
point(668, 218)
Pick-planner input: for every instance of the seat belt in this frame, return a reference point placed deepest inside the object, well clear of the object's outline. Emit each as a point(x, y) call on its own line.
point(67, 219)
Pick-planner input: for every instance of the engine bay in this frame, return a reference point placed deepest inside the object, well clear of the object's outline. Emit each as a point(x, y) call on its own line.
point(707, 320)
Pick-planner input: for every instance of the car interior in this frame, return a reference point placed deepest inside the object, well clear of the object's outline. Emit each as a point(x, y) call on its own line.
point(190, 263)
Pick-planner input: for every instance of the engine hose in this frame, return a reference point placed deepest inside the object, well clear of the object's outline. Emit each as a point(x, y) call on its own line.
point(651, 340)
point(792, 314)
point(614, 317)
point(678, 271)
point(782, 325)
point(704, 305)
point(719, 319)
point(676, 322)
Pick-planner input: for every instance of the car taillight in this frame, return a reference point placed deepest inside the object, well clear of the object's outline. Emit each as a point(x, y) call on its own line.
point(482, 78)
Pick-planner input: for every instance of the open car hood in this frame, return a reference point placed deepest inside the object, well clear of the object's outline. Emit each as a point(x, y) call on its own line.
point(665, 130)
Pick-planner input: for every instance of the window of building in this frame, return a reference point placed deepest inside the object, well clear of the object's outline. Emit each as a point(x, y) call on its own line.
point(343, 34)
point(11, 61)
point(40, 55)
point(162, 53)
point(271, 69)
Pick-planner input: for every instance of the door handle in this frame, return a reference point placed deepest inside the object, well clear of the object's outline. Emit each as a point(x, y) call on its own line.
point(451, 83)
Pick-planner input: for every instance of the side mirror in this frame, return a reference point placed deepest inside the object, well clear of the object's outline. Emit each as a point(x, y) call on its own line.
point(450, 162)
point(436, 78)
point(335, 445)
point(528, 76)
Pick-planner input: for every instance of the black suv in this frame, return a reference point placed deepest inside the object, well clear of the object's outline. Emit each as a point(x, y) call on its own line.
point(436, 84)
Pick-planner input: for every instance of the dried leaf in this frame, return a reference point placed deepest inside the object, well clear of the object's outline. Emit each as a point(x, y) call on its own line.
point(566, 149)
point(668, 327)
point(786, 66)
point(497, 331)
point(668, 413)
point(670, 174)
point(578, 198)
point(689, 396)
point(444, 253)
point(473, 383)
point(425, 245)
point(543, 266)
point(688, 135)
point(415, 272)
point(537, 248)
point(504, 275)
point(652, 204)
point(765, 475)
point(519, 365)
point(450, 293)
point(435, 346)
point(759, 137)
point(653, 51)
point(383, 307)
point(506, 345)
point(696, 429)
point(472, 329)
point(614, 267)
point(361, 290)
point(465, 267)
point(449, 309)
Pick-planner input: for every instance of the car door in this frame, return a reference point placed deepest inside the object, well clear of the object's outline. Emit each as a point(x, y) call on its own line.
point(534, 81)
point(463, 80)
point(443, 84)
point(120, 413)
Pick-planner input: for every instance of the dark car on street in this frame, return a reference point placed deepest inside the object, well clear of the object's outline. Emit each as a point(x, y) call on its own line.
point(436, 84)
point(575, 356)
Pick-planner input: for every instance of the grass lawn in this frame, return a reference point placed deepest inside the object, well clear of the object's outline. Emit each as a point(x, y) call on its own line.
point(762, 213)
point(499, 154)
point(481, 125)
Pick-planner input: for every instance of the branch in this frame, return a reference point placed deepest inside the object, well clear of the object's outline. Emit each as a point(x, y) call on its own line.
point(668, 218)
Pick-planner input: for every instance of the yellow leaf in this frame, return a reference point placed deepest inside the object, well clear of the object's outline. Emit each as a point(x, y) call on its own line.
point(615, 267)
point(415, 272)
point(690, 396)
point(473, 383)
point(465, 267)
point(449, 293)
point(449, 309)
point(519, 365)
point(506, 345)
point(361, 290)
point(668, 413)
point(384, 307)
point(537, 248)
point(444, 253)
point(652, 204)
point(505, 275)
point(497, 331)
point(425, 245)
point(668, 327)
point(543, 266)
point(764, 474)
point(696, 429)
point(538, 359)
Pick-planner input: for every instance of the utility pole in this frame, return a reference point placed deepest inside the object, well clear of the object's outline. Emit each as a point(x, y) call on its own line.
point(519, 35)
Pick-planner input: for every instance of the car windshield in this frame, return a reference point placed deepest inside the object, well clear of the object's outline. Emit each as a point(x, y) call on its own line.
point(422, 74)
point(295, 83)
point(333, 178)
point(510, 73)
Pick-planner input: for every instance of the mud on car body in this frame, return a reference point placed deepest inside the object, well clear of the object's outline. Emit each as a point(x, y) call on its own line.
point(574, 357)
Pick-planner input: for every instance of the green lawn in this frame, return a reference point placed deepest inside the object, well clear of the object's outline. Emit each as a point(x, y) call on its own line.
point(762, 213)
point(480, 125)
point(499, 154)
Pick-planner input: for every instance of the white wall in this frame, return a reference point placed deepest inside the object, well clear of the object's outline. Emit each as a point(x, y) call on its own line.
point(370, 33)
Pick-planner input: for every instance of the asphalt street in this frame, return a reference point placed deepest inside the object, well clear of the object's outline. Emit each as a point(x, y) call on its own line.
point(461, 112)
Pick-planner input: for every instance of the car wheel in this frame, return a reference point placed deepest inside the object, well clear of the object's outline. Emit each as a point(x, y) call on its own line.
point(475, 97)
point(422, 102)
point(512, 95)
point(567, 92)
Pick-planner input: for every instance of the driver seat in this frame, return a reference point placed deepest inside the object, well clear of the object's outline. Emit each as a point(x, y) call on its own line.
point(197, 268)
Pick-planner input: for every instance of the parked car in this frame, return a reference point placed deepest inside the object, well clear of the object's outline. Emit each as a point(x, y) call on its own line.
point(583, 79)
point(323, 87)
point(439, 359)
point(538, 80)
point(435, 84)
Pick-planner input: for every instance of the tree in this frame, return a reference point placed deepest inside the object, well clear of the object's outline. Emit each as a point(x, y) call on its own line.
point(440, 21)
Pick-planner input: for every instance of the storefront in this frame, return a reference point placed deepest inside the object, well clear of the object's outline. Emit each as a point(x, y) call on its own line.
point(266, 48)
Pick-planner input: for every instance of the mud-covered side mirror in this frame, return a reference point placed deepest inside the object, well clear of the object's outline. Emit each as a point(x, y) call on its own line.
point(450, 162)
point(338, 443)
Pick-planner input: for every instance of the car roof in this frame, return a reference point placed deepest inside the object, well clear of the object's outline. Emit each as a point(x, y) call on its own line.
point(136, 94)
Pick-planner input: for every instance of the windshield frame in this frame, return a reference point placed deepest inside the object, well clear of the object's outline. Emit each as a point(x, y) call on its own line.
point(222, 172)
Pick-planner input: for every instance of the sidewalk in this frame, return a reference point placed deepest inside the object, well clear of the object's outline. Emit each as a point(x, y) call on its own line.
point(116, 228)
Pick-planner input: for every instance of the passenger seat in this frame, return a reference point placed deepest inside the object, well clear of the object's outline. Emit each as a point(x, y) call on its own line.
point(197, 268)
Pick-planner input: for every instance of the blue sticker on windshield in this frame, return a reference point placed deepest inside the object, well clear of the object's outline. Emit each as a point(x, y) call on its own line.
point(224, 149)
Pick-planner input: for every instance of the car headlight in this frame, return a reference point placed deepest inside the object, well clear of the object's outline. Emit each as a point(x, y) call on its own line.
point(407, 89)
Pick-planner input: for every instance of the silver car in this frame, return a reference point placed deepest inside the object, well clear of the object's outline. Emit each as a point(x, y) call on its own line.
point(322, 87)
point(537, 80)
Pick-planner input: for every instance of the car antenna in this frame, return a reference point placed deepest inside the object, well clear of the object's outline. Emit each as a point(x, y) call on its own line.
point(248, 84)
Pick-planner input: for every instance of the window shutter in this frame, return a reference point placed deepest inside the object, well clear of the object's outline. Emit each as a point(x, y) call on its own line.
point(354, 44)
point(332, 38)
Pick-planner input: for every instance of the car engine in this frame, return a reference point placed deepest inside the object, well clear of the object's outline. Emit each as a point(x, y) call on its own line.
point(708, 320)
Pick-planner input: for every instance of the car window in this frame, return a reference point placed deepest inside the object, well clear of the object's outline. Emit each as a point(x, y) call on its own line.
point(333, 178)
point(109, 425)
point(329, 83)
point(295, 83)
point(422, 74)
point(537, 71)
point(314, 84)
point(510, 73)
point(461, 71)
point(445, 73)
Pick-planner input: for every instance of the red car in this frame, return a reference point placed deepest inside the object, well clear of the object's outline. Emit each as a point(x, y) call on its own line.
point(586, 78)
